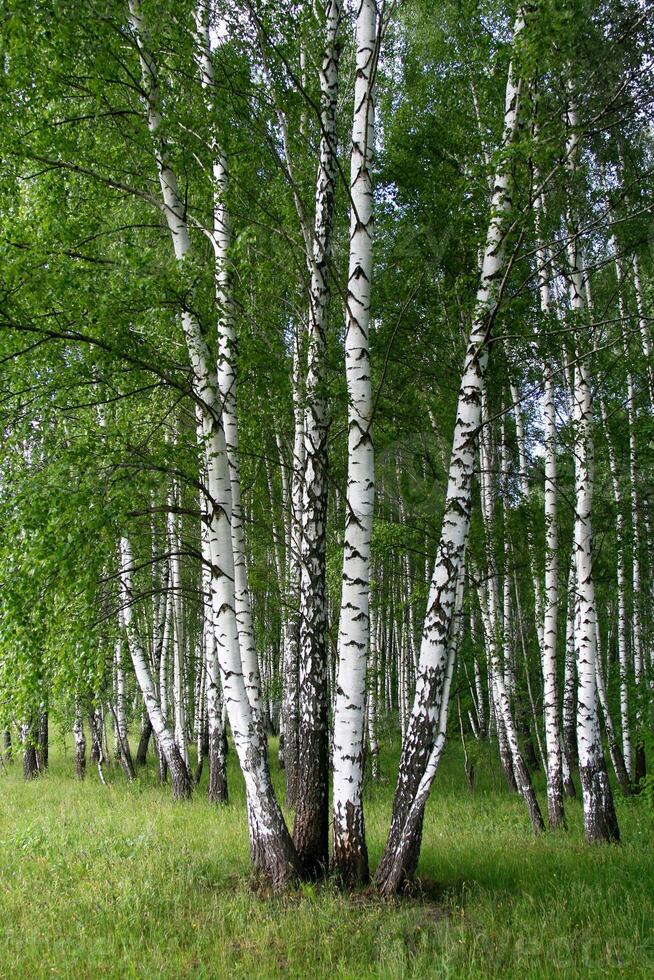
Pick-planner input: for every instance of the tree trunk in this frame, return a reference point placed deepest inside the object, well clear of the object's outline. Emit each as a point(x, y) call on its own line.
point(180, 776)
point(271, 848)
point(555, 812)
point(144, 741)
point(42, 749)
point(80, 744)
point(350, 854)
point(310, 829)
point(600, 820)
point(400, 855)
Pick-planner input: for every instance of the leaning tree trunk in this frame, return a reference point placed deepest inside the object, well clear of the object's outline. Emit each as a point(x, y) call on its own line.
point(400, 856)
point(350, 855)
point(180, 776)
point(221, 236)
point(271, 848)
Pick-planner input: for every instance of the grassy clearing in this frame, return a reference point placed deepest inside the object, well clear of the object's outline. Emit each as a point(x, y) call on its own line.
point(121, 882)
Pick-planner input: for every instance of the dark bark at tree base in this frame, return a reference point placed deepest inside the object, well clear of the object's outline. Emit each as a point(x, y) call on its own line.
point(399, 860)
point(272, 852)
point(182, 784)
point(527, 791)
point(528, 751)
point(144, 742)
point(43, 743)
point(217, 755)
point(6, 746)
point(600, 821)
point(620, 769)
point(569, 788)
point(80, 761)
point(506, 761)
point(311, 826)
point(162, 765)
point(30, 763)
point(96, 736)
point(555, 812)
point(349, 851)
point(125, 760)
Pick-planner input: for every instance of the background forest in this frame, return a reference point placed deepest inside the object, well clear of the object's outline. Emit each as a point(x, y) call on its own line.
point(326, 459)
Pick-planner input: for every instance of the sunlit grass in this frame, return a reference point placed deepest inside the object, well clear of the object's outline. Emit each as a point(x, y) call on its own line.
point(118, 881)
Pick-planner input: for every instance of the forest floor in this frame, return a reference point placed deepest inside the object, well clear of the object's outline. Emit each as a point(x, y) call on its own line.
point(119, 881)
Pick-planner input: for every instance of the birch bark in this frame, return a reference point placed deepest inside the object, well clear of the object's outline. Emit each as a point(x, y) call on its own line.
point(600, 821)
point(310, 830)
point(181, 779)
point(271, 848)
point(400, 855)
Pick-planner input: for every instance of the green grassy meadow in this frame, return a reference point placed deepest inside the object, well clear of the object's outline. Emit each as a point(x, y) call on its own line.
point(119, 881)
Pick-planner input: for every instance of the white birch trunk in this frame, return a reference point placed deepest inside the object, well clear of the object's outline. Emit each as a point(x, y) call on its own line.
point(310, 829)
point(270, 845)
point(400, 856)
point(599, 814)
point(165, 739)
point(555, 812)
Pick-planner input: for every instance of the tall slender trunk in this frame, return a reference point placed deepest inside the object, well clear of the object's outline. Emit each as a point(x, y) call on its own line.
point(43, 743)
point(221, 239)
point(271, 848)
point(600, 820)
point(643, 324)
point(400, 856)
point(217, 788)
point(178, 637)
point(569, 680)
point(123, 751)
point(80, 742)
point(615, 752)
point(310, 830)
point(291, 702)
point(623, 651)
point(555, 812)
point(373, 696)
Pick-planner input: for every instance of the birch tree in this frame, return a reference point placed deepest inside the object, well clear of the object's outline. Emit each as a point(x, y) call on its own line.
point(349, 845)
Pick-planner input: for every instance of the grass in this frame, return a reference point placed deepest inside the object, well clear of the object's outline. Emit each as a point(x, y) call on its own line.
point(118, 881)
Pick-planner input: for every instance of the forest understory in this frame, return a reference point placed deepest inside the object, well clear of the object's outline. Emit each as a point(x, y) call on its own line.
point(87, 871)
